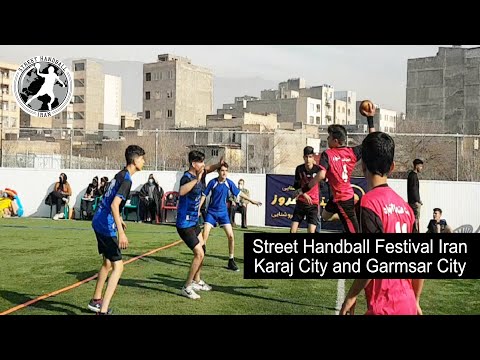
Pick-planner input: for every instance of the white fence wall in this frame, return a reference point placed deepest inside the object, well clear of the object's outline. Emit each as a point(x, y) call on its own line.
point(33, 185)
point(460, 201)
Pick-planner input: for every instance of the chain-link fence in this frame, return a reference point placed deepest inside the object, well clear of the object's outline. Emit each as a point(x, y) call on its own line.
point(446, 157)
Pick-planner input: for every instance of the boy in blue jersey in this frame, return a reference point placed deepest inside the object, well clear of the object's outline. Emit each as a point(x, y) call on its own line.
point(107, 222)
point(187, 222)
point(217, 211)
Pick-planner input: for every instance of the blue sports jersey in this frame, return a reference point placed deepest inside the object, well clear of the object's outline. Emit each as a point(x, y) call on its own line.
point(220, 192)
point(103, 221)
point(188, 205)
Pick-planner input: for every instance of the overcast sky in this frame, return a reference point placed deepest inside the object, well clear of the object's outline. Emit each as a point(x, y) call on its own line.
point(376, 72)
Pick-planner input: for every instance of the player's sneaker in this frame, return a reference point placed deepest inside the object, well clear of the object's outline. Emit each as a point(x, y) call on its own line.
point(96, 305)
point(232, 265)
point(109, 312)
point(201, 285)
point(190, 293)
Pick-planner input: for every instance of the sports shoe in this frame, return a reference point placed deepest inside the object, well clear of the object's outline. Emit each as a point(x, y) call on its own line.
point(190, 293)
point(109, 312)
point(96, 305)
point(201, 285)
point(232, 265)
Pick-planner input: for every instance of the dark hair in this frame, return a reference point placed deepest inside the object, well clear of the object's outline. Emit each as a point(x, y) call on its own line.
point(307, 150)
point(224, 164)
point(241, 181)
point(378, 151)
point(417, 162)
point(104, 179)
point(132, 152)
point(64, 176)
point(338, 132)
point(437, 209)
point(195, 156)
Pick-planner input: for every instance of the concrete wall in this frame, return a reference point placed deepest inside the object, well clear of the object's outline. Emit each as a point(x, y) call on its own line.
point(286, 109)
point(454, 198)
point(33, 195)
point(340, 108)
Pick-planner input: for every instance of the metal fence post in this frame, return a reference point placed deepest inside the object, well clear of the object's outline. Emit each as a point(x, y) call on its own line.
point(246, 141)
point(71, 147)
point(456, 153)
point(156, 150)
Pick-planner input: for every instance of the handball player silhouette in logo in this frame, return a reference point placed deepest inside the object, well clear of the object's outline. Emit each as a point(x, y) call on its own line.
point(47, 88)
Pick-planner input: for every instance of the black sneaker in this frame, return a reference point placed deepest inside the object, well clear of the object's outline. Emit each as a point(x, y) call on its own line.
point(95, 305)
point(232, 266)
point(109, 312)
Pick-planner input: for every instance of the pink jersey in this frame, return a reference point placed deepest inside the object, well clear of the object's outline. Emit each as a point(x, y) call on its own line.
point(303, 177)
point(339, 164)
point(384, 211)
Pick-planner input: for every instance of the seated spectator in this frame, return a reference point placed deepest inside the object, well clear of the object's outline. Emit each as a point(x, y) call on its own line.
point(103, 186)
point(151, 195)
point(8, 204)
point(438, 225)
point(60, 196)
point(88, 199)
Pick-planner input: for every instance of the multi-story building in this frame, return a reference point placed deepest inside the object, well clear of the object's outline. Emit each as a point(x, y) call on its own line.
point(350, 98)
point(384, 120)
point(444, 90)
point(176, 93)
point(9, 109)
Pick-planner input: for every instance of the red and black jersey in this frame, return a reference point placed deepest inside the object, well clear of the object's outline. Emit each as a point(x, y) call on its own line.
point(382, 210)
point(339, 164)
point(302, 178)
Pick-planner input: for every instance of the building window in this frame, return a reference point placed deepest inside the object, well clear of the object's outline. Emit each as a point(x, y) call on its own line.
point(311, 119)
point(349, 100)
point(318, 108)
point(155, 76)
point(348, 112)
point(251, 152)
point(318, 120)
point(160, 75)
point(169, 113)
point(79, 115)
point(79, 82)
point(147, 95)
point(214, 152)
point(5, 105)
point(78, 99)
point(13, 106)
point(158, 114)
point(147, 114)
point(170, 74)
point(148, 76)
point(312, 107)
point(343, 109)
point(169, 94)
point(80, 67)
point(157, 95)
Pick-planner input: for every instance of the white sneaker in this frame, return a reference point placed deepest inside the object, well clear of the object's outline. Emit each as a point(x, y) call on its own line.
point(201, 285)
point(61, 215)
point(65, 199)
point(190, 293)
point(56, 217)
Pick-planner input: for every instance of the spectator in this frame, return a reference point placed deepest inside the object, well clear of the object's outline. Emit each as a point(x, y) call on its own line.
point(103, 186)
point(151, 195)
point(241, 206)
point(9, 204)
point(86, 205)
point(61, 194)
point(413, 189)
point(438, 225)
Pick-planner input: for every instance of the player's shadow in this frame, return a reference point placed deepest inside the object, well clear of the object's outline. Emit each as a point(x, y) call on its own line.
point(47, 304)
point(82, 275)
point(235, 290)
point(145, 284)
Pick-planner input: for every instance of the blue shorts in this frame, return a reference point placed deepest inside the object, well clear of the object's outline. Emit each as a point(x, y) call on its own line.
point(221, 218)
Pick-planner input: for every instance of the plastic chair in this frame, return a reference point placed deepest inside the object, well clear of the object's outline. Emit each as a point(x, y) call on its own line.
point(169, 205)
point(66, 209)
point(132, 204)
point(464, 229)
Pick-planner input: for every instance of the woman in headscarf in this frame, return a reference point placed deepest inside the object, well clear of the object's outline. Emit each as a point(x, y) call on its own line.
point(151, 195)
point(61, 193)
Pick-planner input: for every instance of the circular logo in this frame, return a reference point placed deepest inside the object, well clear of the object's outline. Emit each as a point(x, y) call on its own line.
point(43, 86)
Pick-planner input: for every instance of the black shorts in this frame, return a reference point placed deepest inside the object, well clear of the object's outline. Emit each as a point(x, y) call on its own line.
point(346, 213)
point(190, 235)
point(108, 247)
point(303, 210)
